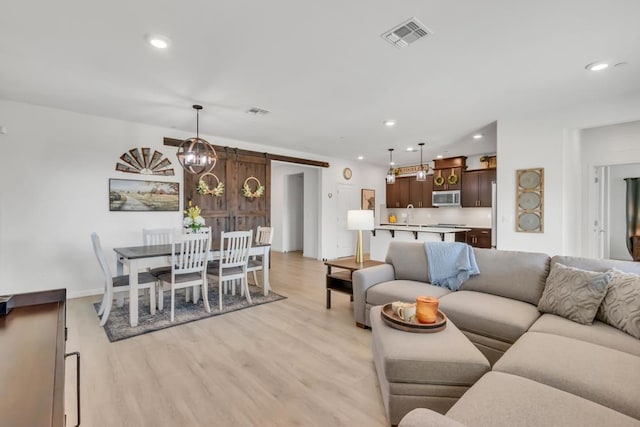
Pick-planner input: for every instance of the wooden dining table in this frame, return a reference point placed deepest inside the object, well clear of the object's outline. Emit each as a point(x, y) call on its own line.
point(141, 257)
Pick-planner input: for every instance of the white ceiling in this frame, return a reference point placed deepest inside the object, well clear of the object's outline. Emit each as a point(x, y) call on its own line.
point(321, 67)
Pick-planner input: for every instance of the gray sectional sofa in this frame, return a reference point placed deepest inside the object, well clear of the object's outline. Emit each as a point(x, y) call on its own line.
point(545, 370)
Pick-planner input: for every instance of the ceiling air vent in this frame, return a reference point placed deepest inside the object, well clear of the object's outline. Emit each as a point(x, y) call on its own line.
point(406, 33)
point(257, 111)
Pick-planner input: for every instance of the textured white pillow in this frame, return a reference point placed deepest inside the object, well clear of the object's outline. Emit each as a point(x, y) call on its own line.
point(574, 293)
point(621, 305)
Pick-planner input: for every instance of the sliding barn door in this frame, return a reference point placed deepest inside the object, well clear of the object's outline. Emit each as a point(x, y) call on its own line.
point(232, 211)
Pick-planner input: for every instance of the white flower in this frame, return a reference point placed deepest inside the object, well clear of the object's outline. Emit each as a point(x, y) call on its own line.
point(187, 221)
point(199, 221)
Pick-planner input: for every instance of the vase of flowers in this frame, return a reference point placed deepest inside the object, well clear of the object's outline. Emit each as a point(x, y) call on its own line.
point(193, 220)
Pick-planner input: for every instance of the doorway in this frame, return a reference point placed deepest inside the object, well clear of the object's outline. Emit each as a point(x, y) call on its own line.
point(609, 231)
point(293, 218)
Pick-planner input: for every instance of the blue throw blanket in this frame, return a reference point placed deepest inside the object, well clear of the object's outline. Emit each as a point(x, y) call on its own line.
point(450, 263)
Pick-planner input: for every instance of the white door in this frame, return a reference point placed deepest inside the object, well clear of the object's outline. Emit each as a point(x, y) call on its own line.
point(601, 220)
point(346, 199)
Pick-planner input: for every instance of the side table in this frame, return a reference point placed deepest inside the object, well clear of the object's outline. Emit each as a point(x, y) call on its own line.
point(341, 280)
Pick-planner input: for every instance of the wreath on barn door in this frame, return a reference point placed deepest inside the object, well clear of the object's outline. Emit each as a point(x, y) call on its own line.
point(250, 193)
point(204, 189)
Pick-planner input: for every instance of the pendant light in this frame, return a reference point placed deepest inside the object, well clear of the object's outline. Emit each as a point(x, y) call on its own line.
point(196, 155)
point(391, 177)
point(422, 173)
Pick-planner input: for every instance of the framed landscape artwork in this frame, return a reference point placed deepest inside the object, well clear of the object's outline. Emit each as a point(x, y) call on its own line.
point(132, 195)
point(368, 199)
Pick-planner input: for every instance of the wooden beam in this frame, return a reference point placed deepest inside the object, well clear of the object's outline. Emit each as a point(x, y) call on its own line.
point(176, 143)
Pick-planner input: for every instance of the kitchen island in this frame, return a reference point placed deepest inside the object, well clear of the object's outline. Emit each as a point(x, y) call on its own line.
point(382, 235)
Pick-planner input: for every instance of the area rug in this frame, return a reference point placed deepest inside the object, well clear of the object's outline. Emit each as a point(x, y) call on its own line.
point(118, 327)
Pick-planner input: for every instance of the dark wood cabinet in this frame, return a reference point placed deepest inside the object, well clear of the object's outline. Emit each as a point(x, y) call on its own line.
point(420, 192)
point(479, 237)
point(447, 179)
point(398, 193)
point(32, 361)
point(232, 211)
point(476, 188)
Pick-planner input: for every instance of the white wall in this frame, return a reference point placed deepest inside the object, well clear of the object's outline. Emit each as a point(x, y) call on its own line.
point(54, 174)
point(551, 140)
point(364, 176)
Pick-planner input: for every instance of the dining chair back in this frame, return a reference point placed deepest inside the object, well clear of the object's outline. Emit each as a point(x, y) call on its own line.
point(158, 236)
point(264, 236)
point(232, 266)
point(188, 268)
point(118, 284)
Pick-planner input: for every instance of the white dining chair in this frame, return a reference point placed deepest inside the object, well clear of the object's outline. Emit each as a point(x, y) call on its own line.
point(188, 268)
point(119, 284)
point(232, 265)
point(264, 236)
point(159, 236)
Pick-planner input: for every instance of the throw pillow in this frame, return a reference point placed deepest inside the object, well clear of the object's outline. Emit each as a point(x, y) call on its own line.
point(574, 293)
point(621, 305)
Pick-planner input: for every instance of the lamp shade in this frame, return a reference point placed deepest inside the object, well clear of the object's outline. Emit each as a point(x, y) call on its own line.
point(360, 220)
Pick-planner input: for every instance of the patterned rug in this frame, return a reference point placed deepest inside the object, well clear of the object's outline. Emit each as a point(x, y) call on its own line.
point(118, 327)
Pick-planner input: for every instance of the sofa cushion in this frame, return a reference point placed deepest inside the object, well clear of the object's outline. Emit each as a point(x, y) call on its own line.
point(493, 316)
point(409, 261)
point(600, 265)
point(620, 307)
point(574, 293)
point(515, 275)
point(598, 333)
point(402, 290)
point(603, 375)
point(500, 399)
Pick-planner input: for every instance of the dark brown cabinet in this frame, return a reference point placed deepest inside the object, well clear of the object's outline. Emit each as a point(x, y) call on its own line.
point(479, 237)
point(447, 179)
point(476, 188)
point(398, 193)
point(420, 192)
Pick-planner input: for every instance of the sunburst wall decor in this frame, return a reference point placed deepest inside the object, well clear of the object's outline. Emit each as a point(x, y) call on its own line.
point(143, 162)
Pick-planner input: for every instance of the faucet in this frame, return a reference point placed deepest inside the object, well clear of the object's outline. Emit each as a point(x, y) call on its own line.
point(409, 206)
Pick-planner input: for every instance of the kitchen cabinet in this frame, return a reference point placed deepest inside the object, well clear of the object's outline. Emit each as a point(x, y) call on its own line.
point(476, 188)
point(420, 192)
point(447, 179)
point(398, 193)
point(479, 237)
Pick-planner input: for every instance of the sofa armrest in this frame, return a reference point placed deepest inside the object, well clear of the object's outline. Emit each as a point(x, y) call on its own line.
point(363, 280)
point(422, 417)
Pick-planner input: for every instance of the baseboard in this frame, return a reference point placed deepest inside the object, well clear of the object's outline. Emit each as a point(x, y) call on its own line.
point(84, 293)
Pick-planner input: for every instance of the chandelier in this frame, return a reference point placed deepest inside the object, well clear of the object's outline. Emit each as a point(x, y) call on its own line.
point(196, 155)
point(391, 176)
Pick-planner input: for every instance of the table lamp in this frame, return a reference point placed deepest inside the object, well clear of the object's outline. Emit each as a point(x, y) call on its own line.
point(360, 220)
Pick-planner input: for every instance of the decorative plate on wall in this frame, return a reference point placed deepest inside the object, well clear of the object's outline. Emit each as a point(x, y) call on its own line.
point(530, 200)
point(143, 162)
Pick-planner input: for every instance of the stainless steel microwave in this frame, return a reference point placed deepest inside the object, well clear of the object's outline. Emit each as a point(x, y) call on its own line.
point(446, 198)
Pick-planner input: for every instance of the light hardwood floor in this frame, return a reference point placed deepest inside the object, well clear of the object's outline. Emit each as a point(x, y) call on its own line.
point(287, 363)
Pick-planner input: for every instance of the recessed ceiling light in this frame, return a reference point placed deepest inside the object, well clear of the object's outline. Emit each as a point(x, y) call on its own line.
point(157, 41)
point(389, 123)
point(477, 136)
point(439, 156)
point(360, 157)
point(597, 66)
point(410, 149)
